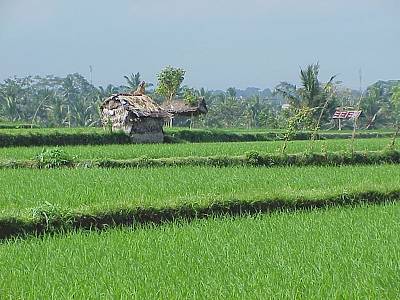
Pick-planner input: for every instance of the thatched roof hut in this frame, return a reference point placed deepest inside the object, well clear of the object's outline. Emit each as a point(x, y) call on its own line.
point(181, 108)
point(136, 114)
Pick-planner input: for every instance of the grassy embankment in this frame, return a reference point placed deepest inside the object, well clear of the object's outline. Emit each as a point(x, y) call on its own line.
point(98, 136)
point(40, 200)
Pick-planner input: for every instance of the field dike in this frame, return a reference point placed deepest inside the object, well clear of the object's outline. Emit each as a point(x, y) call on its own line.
point(252, 158)
point(48, 219)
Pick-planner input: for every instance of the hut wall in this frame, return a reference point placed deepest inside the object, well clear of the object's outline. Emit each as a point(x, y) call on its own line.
point(141, 130)
point(117, 117)
point(146, 130)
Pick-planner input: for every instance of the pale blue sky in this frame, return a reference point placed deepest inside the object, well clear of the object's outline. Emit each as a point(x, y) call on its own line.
point(220, 43)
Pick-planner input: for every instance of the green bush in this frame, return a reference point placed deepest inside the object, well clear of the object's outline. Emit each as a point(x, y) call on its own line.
point(53, 158)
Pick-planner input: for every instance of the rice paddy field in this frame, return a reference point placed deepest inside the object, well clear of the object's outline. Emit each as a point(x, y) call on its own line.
point(198, 149)
point(334, 251)
point(341, 253)
point(96, 189)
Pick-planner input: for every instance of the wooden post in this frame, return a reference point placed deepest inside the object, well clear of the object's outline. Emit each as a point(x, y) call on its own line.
point(340, 124)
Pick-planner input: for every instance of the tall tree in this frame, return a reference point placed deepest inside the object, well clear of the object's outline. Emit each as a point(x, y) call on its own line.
point(169, 82)
point(133, 81)
point(395, 103)
point(312, 94)
point(104, 92)
point(374, 104)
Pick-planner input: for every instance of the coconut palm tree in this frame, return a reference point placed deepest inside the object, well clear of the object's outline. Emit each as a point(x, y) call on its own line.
point(10, 95)
point(289, 93)
point(312, 93)
point(107, 91)
point(133, 81)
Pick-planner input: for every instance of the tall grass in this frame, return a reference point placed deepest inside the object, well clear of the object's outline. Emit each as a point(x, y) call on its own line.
point(335, 254)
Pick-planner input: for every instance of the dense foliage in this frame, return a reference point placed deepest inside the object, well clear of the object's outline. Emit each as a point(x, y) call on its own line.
point(73, 101)
point(169, 82)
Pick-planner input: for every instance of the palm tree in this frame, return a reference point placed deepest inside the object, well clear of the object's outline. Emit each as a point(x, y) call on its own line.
point(84, 111)
point(43, 96)
point(206, 95)
point(289, 93)
point(9, 107)
point(311, 89)
point(133, 81)
point(107, 91)
point(10, 96)
point(311, 94)
point(374, 104)
point(57, 110)
point(253, 108)
point(231, 92)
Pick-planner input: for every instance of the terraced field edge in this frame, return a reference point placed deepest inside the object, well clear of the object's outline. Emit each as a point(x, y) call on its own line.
point(50, 220)
point(251, 158)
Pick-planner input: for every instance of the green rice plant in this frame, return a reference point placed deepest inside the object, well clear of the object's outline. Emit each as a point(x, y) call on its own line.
point(200, 150)
point(92, 197)
point(87, 189)
point(341, 253)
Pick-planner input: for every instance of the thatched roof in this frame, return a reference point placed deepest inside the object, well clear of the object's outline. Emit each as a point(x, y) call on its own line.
point(139, 105)
point(180, 107)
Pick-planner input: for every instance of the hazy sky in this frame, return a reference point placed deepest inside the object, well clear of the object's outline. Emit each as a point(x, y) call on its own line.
point(220, 43)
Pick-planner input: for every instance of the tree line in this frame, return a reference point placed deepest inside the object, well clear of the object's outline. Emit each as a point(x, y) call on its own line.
point(52, 101)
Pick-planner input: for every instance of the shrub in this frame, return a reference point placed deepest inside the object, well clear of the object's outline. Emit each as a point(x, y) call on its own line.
point(53, 158)
point(253, 157)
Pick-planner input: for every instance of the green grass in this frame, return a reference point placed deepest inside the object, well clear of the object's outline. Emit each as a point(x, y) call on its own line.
point(349, 253)
point(203, 149)
point(91, 190)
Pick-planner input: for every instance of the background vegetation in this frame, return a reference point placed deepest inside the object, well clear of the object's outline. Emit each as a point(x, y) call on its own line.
point(73, 101)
